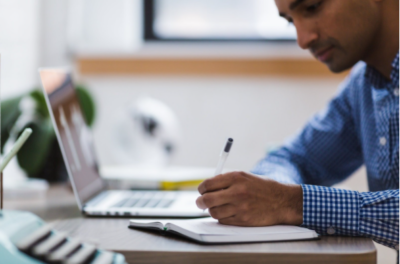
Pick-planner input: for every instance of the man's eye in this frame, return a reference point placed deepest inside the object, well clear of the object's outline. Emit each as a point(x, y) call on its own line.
point(313, 7)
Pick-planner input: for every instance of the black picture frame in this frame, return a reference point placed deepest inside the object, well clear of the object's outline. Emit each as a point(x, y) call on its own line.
point(149, 34)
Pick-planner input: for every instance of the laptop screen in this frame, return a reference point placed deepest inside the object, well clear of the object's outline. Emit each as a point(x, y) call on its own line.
point(73, 134)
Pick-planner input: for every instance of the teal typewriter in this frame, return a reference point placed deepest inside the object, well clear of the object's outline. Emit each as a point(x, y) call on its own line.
point(27, 239)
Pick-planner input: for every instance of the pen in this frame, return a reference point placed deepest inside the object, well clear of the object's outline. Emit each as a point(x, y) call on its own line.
point(223, 156)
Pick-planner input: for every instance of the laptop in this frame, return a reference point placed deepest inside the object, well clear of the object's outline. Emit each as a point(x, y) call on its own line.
point(76, 144)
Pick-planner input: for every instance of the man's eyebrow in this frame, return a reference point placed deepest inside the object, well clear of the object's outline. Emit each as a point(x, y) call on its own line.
point(294, 4)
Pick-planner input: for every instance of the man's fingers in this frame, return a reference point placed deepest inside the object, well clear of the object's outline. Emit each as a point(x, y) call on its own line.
point(239, 219)
point(216, 183)
point(222, 211)
point(212, 199)
point(232, 220)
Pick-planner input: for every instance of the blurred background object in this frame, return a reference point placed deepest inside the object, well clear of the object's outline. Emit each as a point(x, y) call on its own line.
point(40, 157)
point(146, 134)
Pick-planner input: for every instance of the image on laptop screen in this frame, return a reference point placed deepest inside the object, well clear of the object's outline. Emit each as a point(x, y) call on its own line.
point(73, 134)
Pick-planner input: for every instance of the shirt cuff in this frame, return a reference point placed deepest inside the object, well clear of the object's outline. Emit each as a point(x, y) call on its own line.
point(331, 211)
point(379, 217)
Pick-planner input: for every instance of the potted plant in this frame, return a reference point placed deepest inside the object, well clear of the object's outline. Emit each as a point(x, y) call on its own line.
point(40, 157)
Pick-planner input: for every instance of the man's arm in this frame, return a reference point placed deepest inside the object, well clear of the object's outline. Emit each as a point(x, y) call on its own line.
point(331, 211)
point(325, 152)
point(243, 199)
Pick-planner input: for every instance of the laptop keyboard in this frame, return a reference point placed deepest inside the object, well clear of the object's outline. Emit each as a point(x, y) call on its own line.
point(146, 200)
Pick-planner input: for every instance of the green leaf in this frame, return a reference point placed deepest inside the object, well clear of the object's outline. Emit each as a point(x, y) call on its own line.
point(87, 104)
point(41, 106)
point(33, 154)
point(9, 114)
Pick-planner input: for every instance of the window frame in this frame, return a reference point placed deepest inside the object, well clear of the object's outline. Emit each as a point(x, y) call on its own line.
point(149, 34)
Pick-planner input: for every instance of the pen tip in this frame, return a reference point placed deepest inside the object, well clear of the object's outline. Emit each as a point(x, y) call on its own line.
point(228, 145)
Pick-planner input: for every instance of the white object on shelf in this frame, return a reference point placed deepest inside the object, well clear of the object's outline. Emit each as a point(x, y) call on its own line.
point(146, 134)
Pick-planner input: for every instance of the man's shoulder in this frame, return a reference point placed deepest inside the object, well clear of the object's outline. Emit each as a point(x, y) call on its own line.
point(357, 74)
point(352, 91)
point(358, 71)
point(355, 80)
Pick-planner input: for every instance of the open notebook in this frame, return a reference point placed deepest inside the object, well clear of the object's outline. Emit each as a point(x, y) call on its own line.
point(208, 230)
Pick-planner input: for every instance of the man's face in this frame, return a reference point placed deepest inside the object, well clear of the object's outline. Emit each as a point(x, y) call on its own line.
point(339, 33)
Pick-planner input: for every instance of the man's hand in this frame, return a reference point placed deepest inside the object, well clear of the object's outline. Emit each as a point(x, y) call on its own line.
point(243, 199)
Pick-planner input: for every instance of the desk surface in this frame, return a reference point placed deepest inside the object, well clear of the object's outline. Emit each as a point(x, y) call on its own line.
point(150, 247)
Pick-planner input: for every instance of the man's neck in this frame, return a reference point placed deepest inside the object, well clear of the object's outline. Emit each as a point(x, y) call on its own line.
point(386, 46)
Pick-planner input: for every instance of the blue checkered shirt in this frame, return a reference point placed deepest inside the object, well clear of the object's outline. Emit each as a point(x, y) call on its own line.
point(359, 126)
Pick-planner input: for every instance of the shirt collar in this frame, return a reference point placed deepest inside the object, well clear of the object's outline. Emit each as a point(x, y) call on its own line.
point(379, 81)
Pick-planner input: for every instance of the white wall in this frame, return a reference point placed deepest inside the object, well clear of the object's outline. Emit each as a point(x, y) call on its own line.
point(104, 26)
point(54, 40)
point(254, 111)
point(72, 27)
point(19, 45)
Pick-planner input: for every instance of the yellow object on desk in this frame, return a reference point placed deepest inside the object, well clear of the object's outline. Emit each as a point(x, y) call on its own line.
point(192, 184)
point(180, 185)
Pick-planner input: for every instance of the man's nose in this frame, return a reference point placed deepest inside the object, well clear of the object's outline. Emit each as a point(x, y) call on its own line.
point(305, 35)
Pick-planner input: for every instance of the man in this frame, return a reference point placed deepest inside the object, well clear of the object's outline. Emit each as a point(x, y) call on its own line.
point(359, 126)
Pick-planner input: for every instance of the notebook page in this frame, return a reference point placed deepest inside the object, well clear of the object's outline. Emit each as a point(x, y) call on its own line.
point(209, 226)
point(148, 223)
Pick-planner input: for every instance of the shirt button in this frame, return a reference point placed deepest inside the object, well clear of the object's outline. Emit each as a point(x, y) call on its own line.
point(331, 231)
point(382, 141)
point(396, 92)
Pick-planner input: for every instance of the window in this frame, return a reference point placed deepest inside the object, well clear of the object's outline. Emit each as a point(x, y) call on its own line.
point(215, 20)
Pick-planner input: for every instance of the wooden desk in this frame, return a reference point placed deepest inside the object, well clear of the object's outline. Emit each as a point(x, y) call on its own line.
point(148, 247)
